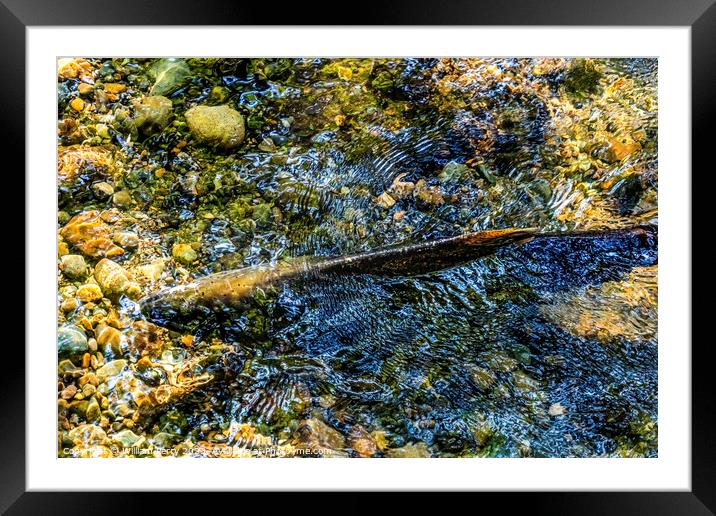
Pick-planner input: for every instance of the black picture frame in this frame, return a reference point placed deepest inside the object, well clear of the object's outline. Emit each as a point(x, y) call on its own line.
point(700, 15)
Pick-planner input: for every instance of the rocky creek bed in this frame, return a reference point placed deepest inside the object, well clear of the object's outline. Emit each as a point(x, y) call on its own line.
point(171, 169)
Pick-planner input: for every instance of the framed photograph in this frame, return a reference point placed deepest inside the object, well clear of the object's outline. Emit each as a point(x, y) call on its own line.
point(428, 239)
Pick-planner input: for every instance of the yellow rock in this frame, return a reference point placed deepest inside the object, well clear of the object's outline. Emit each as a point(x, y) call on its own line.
point(362, 442)
point(607, 312)
point(73, 68)
point(380, 440)
point(114, 279)
point(113, 87)
point(91, 235)
point(77, 104)
point(384, 200)
point(345, 73)
point(106, 335)
point(84, 88)
point(69, 304)
point(89, 292)
point(184, 253)
point(220, 126)
point(152, 271)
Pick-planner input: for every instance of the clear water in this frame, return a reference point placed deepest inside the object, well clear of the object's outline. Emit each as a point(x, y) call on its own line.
point(540, 351)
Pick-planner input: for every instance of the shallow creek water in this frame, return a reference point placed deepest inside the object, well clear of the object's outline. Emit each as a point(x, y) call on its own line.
point(541, 350)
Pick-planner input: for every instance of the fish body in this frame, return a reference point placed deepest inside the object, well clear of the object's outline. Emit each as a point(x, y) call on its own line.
point(231, 290)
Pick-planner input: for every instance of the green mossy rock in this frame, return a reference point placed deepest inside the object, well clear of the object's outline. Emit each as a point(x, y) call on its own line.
point(169, 75)
point(152, 114)
point(217, 126)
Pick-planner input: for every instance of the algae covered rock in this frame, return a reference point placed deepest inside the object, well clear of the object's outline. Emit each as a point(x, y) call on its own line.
point(409, 451)
point(219, 126)
point(169, 75)
point(152, 114)
point(452, 172)
point(582, 78)
point(184, 253)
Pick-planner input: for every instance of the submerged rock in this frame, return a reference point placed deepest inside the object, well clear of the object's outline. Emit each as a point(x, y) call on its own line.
point(91, 235)
point(452, 172)
point(78, 166)
point(93, 410)
point(624, 309)
point(126, 239)
point(126, 438)
point(169, 75)
point(122, 199)
point(409, 451)
point(151, 272)
point(71, 342)
point(219, 126)
point(582, 77)
point(102, 190)
point(89, 293)
point(73, 265)
point(77, 104)
point(109, 336)
point(362, 442)
point(152, 114)
point(614, 151)
point(556, 409)
point(184, 254)
point(87, 434)
point(384, 200)
point(400, 189)
point(315, 434)
point(111, 369)
point(115, 280)
point(428, 195)
point(74, 68)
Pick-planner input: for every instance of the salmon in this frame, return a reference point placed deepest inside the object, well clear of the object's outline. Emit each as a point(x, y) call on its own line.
point(230, 290)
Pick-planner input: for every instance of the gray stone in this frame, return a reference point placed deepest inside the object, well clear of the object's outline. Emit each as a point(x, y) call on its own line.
point(71, 342)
